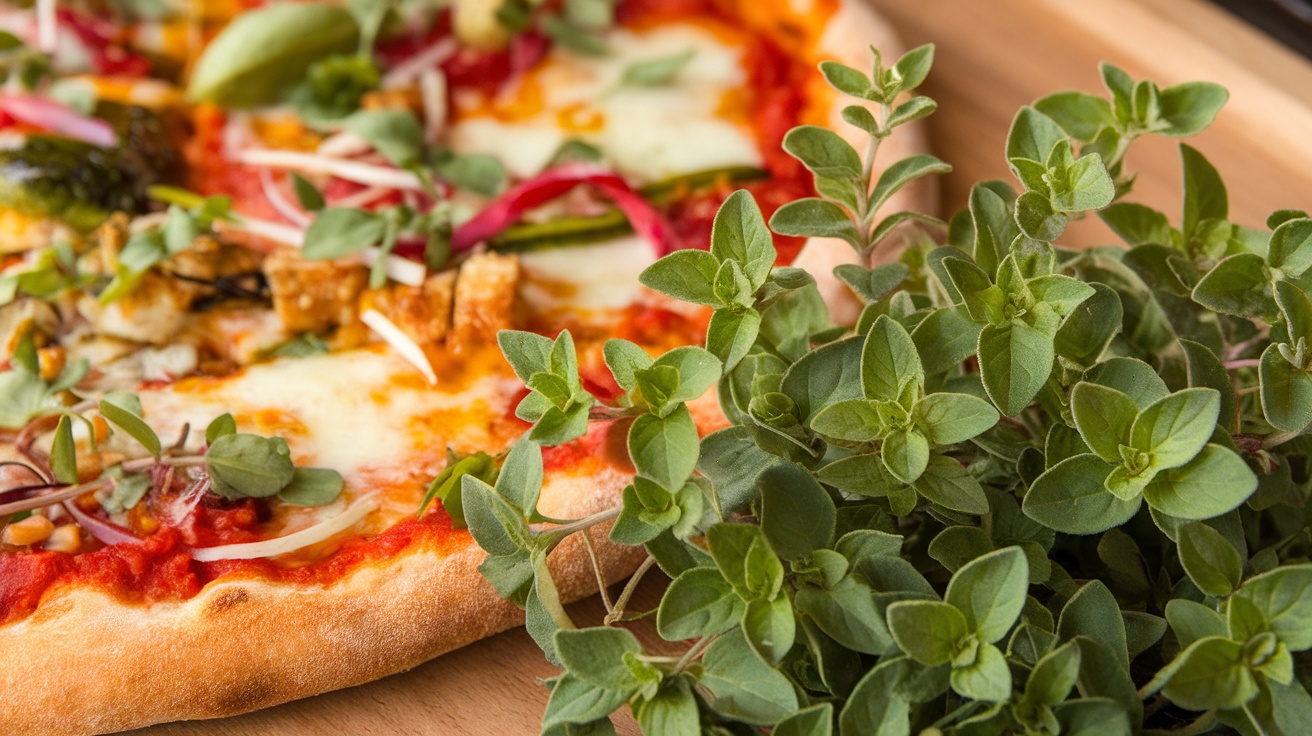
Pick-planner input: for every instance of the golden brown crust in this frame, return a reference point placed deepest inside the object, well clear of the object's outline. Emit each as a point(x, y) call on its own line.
point(849, 34)
point(86, 663)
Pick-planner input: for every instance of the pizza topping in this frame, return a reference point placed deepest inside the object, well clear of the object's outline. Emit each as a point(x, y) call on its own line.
point(507, 209)
point(51, 116)
point(400, 341)
point(263, 53)
point(33, 530)
point(348, 518)
point(105, 531)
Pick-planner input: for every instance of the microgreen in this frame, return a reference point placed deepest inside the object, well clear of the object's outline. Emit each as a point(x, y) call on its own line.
point(1033, 490)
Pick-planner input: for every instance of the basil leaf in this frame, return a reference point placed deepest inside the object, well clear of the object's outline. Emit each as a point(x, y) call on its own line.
point(257, 57)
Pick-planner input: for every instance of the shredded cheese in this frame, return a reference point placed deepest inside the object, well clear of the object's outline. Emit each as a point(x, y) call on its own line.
point(356, 171)
point(291, 542)
point(400, 342)
point(398, 269)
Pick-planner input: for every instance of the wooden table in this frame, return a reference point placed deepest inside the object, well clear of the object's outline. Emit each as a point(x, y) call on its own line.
point(992, 57)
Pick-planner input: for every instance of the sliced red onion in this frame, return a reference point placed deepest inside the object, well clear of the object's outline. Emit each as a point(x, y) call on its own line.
point(291, 542)
point(526, 50)
point(56, 118)
point(106, 531)
point(47, 26)
point(507, 209)
point(279, 201)
point(409, 69)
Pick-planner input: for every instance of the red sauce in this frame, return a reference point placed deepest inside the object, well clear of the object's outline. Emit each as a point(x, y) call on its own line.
point(160, 569)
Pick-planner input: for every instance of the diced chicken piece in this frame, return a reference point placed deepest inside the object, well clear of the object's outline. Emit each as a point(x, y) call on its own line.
point(154, 311)
point(20, 232)
point(208, 260)
point(20, 317)
point(238, 336)
point(422, 312)
point(313, 296)
point(485, 299)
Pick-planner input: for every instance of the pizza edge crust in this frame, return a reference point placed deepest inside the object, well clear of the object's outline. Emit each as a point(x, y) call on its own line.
point(86, 663)
point(854, 27)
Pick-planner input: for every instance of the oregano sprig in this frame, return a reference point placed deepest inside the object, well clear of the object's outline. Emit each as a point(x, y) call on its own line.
point(1032, 490)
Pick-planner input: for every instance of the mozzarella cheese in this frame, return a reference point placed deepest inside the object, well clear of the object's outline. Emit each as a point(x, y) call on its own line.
point(649, 133)
point(367, 414)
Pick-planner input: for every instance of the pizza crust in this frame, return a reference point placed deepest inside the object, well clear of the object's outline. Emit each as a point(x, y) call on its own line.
point(86, 663)
point(853, 29)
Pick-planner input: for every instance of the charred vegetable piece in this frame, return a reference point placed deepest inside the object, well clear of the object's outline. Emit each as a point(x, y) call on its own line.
point(68, 180)
point(80, 184)
point(148, 140)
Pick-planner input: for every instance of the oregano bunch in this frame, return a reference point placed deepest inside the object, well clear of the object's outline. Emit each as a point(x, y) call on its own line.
point(1033, 490)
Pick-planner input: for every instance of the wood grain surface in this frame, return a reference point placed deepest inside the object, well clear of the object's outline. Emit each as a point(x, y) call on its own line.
point(992, 57)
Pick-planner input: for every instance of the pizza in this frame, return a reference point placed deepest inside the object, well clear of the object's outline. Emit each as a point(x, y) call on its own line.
point(254, 260)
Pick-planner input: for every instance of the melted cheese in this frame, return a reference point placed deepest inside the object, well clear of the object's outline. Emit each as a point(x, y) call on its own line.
point(649, 133)
point(586, 278)
point(364, 413)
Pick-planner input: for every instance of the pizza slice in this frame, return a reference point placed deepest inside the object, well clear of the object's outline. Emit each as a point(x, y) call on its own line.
point(256, 262)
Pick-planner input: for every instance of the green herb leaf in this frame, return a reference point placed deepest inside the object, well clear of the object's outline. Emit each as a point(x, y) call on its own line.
point(990, 591)
point(928, 631)
point(263, 52)
point(222, 426)
point(249, 466)
point(699, 602)
point(312, 487)
point(340, 231)
point(742, 685)
point(1210, 560)
point(1015, 360)
point(63, 453)
point(656, 72)
point(823, 152)
point(130, 422)
point(797, 515)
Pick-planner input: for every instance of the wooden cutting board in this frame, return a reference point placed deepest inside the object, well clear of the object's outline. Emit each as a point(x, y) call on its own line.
point(992, 58)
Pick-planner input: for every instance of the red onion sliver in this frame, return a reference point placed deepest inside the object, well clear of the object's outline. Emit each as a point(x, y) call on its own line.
point(56, 118)
point(106, 531)
point(506, 210)
point(279, 201)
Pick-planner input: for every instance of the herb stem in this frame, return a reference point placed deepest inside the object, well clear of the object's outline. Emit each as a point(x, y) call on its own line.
point(48, 499)
point(1279, 438)
point(577, 526)
point(1234, 365)
point(601, 579)
point(693, 652)
point(629, 588)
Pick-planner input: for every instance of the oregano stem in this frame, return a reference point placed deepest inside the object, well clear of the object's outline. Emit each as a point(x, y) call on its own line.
point(693, 652)
point(629, 588)
point(1232, 365)
point(596, 568)
point(1279, 438)
point(577, 526)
